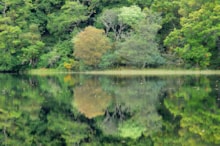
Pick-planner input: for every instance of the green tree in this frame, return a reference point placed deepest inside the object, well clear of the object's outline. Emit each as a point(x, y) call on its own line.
point(9, 42)
point(70, 15)
point(118, 20)
point(141, 48)
point(90, 45)
point(32, 45)
point(61, 52)
point(131, 16)
point(196, 40)
point(20, 39)
point(109, 18)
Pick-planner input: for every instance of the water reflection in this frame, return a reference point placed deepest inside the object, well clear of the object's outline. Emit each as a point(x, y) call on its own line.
point(102, 110)
point(134, 109)
point(90, 99)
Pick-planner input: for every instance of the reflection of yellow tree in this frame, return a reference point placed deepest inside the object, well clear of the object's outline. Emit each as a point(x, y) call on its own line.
point(90, 99)
point(70, 80)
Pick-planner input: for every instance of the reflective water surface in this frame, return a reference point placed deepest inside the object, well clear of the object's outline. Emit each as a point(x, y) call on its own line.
point(109, 110)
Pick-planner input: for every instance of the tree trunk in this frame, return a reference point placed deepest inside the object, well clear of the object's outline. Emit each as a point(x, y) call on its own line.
point(218, 44)
point(5, 8)
point(143, 66)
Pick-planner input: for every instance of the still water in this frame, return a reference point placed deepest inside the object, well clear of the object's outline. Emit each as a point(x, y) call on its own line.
point(109, 110)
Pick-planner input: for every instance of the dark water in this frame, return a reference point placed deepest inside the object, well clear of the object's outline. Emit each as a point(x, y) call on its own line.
point(109, 110)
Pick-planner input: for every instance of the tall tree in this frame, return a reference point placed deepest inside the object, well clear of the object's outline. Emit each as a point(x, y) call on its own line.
point(141, 48)
point(32, 46)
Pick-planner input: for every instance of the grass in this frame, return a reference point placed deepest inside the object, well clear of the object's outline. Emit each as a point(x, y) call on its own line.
point(154, 72)
point(127, 72)
point(45, 71)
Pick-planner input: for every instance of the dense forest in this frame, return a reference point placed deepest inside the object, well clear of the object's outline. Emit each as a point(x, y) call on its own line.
point(106, 34)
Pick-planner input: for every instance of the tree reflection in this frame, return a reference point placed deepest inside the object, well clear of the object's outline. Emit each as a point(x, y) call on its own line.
point(38, 111)
point(90, 99)
point(195, 105)
point(19, 103)
point(109, 110)
point(134, 109)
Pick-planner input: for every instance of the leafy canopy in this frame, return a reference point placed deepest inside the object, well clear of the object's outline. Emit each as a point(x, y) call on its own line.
point(90, 45)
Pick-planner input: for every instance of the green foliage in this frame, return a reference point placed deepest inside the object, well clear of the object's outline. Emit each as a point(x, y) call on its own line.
point(70, 15)
point(187, 32)
point(197, 36)
point(55, 58)
point(133, 111)
point(32, 45)
point(131, 128)
point(140, 49)
point(131, 16)
point(142, 3)
point(51, 110)
point(9, 42)
point(117, 20)
point(197, 110)
point(108, 60)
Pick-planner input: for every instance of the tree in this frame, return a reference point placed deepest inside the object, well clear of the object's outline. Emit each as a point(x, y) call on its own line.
point(90, 45)
point(70, 15)
point(32, 45)
point(119, 20)
point(140, 48)
point(109, 18)
point(196, 40)
point(168, 10)
point(9, 42)
point(20, 39)
point(131, 15)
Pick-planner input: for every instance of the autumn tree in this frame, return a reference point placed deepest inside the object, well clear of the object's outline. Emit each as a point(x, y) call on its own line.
point(90, 45)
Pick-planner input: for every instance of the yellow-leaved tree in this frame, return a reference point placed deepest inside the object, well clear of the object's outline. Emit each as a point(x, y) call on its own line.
point(90, 45)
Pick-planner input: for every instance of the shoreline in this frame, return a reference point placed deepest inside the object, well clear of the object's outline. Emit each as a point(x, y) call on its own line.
point(126, 72)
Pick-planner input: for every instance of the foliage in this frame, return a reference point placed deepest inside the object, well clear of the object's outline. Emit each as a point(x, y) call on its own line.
point(47, 110)
point(196, 108)
point(91, 41)
point(71, 14)
point(131, 15)
point(57, 56)
point(140, 49)
point(118, 20)
point(34, 34)
point(195, 24)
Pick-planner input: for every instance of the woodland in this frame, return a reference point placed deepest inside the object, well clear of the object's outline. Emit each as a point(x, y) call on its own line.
point(77, 35)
